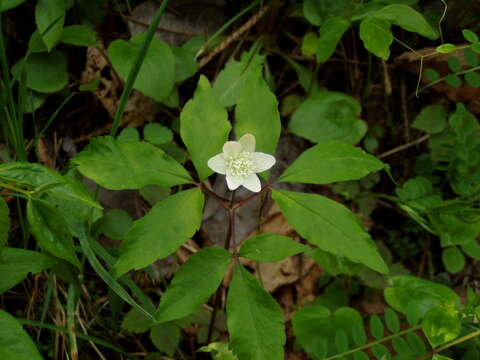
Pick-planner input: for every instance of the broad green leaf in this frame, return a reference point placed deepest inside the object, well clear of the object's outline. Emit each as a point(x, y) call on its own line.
point(392, 320)
point(4, 222)
point(331, 32)
point(473, 79)
point(157, 134)
point(136, 322)
point(317, 11)
point(129, 134)
point(50, 16)
point(441, 325)
point(51, 230)
point(114, 224)
point(401, 348)
point(334, 264)
point(161, 231)
point(471, 57)
point(328, 115)
point(9, 4)
point(185, 64)
point(16, 264)
point(204, 127)
point(257, 113)
point(409, 291)
point(233, 77)
point(118, 165)
point(416, 343)
point(470, 36)
point(376, 36)
point(45, 72)
point(271, 247)
point(454, 64)
point(341, 341)
point(36, 44)
point(453, 259)
point(255, 320)
point(330, 226)
point(15, 343)
point(79, 35)
point(315, 328)
point(157, 74)
point(166, 337)
point(193, 283)
point(432, 119)
point(329, 162)
point(476, 47)
point(407, 18)
point(376, 326)
point(309, 44)
point(472, 249)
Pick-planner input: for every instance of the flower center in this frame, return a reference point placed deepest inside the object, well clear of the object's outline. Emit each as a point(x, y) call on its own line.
point(240, 165)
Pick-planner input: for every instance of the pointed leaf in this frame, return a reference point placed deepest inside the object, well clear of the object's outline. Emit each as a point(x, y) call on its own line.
point(441, 325)
point(159, 233)
point(79, 35)
point(271, 247)
point(15, 344)
point(204, 127)
point(193, 283)
point(331, 162)
point(50, 16)
point(376, 326)
point(4, 222)
point(392, 320)
point(118, 165)
point(331, 32)
point(376, 36)
point(330, 226)
point(255, 320)
point(166, 338)
point(453, 259)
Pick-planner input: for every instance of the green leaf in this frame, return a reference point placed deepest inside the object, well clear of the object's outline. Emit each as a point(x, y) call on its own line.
point(470, 57)
point(376, 326)
point(407, 18)
point(392, 320)
point(432, 119)
point(453, 260)
point(470, 36)
point(331, 32)
point(329, 162)
point(79, 35)
point(157, 134)
point(309, 44)
point(476, 47)
point(381, 352)
point(36, 44)
point(330, 226)
point(473, 79)
point(9, 4)
point(118, 165)
point(339, 114)
point(219, 351)
point(409, 291)
point(257, 113)
point(16, 264)
point(255, 320)
point(359, 355)
point(231, 80)
point(45, 72)
point(193, 283)
point(441, 325)
point(157, 74)
point(4, 222)
point(376, 36)
point(166, 338)
point(161, 231)
point(270, 247)
point(402, 348)
point(317, 11)
point(445, 48)
point(341, 341)
point(51, 230)
point(204, 127)
point(185, 64)
point(114, 224)
point(453, 80)
point(416, 343)
point(129, 134)
point(15, 344)
point(50, 16)
point(454, 64)
point(136, 322)
point(472, 249)
point(432, 75)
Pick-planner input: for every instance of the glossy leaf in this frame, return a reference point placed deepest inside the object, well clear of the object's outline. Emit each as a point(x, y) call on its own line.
point(255, 320)
point(329, 162)
point(331, 32)
point(257, 113)
point(407, 18)
point(453, 259)
point(161, 231)
point(445, 48)
point(4, 222)
point(194, 283)
point(157, 74)
point(328, 115)
point(15, 343)
point(79, 35)
point(51, 230)
point(271, 247)
point(470, 36)
point(441, 325)
point(120, 165)
point(330, 226)
point(376, 36)
point(16, 264)
point(204, 127)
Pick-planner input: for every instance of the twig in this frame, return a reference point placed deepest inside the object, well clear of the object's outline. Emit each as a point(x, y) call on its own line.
point(403, 147)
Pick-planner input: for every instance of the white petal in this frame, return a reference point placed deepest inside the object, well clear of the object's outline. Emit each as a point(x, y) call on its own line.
point(232, 148)
point(248, 142)
point(233, 182)
point(218, 164)
point(252, 183)
point(262, 161)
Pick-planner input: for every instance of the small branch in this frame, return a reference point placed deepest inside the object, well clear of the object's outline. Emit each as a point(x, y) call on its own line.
point(403, 147)
point(221, 200)
point(248, 198)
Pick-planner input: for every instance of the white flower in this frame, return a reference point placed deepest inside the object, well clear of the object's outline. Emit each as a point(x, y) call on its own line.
point(240, 163)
